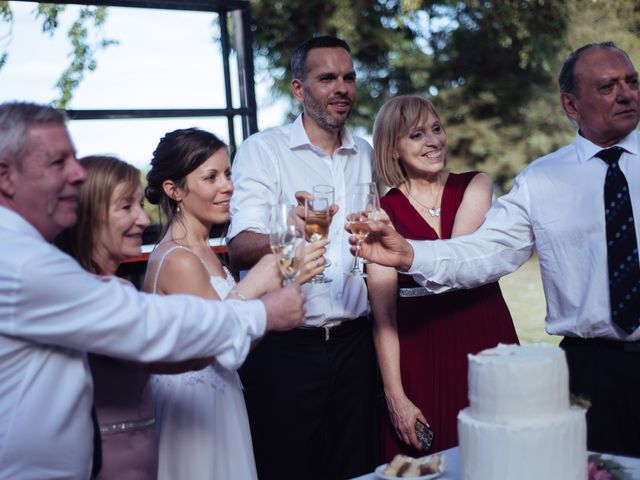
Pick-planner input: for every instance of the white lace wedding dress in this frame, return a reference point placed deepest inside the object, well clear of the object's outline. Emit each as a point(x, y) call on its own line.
point(202, 419)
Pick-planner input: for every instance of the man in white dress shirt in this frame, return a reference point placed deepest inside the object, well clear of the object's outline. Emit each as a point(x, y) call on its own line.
point(556, 205)
point(310, 392)
point(52, 311)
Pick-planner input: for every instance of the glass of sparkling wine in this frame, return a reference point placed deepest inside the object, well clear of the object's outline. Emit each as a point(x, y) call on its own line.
point(362, 207)
point(318, 219)
point(371, 188)
point(287, 241)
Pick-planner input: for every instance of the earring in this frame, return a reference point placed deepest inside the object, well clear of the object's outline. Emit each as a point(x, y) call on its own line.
point(395, 156)
point(178, 209)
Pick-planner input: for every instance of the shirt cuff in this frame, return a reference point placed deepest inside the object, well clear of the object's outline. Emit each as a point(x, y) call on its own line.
point(253, 313)
point(251, 324)
point(422, 262)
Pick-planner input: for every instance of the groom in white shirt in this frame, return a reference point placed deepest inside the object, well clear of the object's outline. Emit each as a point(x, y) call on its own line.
point(310, 392)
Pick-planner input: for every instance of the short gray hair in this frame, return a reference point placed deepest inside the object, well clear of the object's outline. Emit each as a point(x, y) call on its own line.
point(567, 78)
point(15, 120)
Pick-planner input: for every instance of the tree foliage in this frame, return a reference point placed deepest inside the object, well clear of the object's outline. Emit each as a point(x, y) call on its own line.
point(487, 65)
point(86, 37)
point(490, 66)
point(6, 17)
point(376, 31)
point(495, 70)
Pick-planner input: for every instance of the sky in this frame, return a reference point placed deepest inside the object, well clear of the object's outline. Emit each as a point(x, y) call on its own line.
point(165, 59)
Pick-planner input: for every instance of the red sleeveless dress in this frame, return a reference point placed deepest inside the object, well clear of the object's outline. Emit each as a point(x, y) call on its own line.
point(437, 332)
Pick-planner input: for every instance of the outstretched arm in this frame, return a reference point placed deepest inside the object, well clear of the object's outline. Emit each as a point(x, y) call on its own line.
point(499, 246)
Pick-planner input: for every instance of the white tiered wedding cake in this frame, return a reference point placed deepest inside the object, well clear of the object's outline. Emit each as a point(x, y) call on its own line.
point(519, 425)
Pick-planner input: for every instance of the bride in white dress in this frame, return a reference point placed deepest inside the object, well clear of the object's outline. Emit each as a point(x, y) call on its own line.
point(201, 416)
point(200, 412)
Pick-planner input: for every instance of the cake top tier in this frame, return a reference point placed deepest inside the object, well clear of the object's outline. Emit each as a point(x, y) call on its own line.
point(518, 383)
point(535, 353)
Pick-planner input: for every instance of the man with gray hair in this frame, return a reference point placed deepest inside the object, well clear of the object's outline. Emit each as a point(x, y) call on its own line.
point(52, 312)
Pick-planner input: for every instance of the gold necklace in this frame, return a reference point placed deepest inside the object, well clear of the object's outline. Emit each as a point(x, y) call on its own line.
point(433, 211)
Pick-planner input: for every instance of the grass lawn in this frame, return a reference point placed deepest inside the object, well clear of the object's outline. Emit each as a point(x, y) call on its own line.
point(522, 290)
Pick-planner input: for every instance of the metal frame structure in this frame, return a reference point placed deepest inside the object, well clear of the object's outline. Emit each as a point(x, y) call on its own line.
point(240, 14)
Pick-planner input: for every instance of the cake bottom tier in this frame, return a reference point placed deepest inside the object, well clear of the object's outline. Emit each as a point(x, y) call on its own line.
point(553, 449)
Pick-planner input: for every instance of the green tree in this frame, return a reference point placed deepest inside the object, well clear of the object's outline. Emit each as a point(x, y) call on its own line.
point(86, 37)
point(490, 66)
point(384, 41)
point(494, 65)
point(487, 65)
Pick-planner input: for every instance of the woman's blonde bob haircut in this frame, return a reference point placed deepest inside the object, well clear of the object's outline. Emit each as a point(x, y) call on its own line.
point(394, 120)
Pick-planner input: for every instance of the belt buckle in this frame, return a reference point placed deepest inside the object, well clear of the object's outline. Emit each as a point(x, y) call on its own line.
point(327, 330)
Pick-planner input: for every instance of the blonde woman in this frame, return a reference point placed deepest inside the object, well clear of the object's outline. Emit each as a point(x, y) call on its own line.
point(422, 341)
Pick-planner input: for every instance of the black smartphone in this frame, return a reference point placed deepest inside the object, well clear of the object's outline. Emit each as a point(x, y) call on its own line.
point(424, 434)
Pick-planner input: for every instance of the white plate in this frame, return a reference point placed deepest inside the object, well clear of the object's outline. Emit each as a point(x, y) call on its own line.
point(380, 472)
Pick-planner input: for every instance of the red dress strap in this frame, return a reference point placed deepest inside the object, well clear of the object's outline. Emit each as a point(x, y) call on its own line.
point(451, 199)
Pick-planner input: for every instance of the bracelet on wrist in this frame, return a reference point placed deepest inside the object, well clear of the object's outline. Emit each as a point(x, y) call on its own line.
point(238, 294)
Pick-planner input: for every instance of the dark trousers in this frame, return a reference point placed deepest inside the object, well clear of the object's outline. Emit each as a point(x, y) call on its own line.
point(608, 374)
point(311, 403)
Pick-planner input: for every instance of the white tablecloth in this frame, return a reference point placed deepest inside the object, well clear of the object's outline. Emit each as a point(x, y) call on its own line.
point(452, 470)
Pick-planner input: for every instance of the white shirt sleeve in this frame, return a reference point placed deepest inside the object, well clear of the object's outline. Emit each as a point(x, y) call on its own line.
point(256, 181)
point(58, 303)
point(502, 243)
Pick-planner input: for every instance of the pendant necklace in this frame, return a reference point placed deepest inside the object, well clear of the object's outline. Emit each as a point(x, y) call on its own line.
point(433, 211)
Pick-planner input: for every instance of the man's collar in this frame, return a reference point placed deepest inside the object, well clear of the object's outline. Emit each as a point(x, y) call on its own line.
point(16, 222)
point(299, 138)
point(587, 150)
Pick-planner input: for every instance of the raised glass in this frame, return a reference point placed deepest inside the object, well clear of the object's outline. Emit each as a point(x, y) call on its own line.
point(361, 207)
point(317, 211)
point(287, 241)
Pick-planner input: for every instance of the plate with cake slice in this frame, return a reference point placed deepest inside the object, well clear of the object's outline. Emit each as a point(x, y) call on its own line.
point(402, 466)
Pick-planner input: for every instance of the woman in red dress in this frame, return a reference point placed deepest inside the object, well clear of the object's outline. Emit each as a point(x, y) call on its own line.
point(423, 340)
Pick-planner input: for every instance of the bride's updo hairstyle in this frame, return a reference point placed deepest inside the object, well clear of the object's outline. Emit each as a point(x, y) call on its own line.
point(177, 155)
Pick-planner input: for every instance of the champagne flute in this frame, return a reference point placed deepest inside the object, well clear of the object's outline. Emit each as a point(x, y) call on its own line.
point(286, 241)
point(371, 188)
point(367, 187)
point(362, 207)
point(318, 219)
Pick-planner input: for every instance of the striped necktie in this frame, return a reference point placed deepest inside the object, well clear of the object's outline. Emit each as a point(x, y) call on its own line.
point(622, 247)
